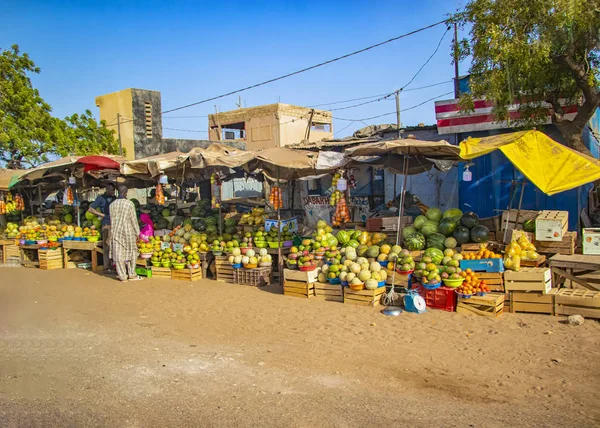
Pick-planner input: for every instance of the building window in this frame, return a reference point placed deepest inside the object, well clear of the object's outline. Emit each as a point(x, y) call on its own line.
point(233, 131)
point(148, 119)
point(320, 127)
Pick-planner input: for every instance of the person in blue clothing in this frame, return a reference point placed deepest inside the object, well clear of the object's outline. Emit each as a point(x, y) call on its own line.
point(100, 208)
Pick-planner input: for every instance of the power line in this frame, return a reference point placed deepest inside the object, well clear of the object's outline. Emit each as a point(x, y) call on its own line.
point(345, 127)
point(312, 67)
point(394, 112)
point(362, 104)
point(428, 59)
point(183, 117)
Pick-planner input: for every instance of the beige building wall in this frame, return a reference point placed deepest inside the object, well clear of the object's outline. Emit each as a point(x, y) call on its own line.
point(272, 125)
point(119, 102)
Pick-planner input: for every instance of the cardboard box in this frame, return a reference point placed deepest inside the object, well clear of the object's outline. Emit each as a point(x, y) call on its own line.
point(551, 225)
point(528, 279)
point(291, 224)
point(591, 241)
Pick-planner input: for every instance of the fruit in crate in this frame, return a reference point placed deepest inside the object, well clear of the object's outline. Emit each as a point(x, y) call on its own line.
point(472, 284)
point(483, 253)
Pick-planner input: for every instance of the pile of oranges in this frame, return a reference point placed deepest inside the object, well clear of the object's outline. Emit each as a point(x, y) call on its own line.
point(483, 253)
point(472, 284)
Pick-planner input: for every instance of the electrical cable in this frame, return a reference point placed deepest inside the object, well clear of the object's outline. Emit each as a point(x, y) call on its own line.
point(312, 67)
point(428, 59)
point(394, 112)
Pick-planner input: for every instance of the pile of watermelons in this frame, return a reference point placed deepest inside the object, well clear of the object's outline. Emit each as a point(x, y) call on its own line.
point(444, 230)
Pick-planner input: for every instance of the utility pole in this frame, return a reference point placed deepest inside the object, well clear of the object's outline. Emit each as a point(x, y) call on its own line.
point(398, 113)
point(307, 133)
point(456, 56)
point(119, 134)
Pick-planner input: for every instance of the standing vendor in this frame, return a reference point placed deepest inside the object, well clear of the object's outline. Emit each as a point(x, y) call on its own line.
point(100, 208)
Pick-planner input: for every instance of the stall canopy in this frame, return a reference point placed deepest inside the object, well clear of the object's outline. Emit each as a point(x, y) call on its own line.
point(552, 167)
point(420, 155)
point(289, 164)
point(76, 165)
point(153, 165)
point(219, 156)
point(9, 177)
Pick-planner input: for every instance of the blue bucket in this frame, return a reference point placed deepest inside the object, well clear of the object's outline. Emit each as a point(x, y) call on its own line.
point(335, 281)
point(381, 284)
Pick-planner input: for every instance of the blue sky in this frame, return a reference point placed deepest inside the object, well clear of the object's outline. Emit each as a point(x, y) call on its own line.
point(190, 51)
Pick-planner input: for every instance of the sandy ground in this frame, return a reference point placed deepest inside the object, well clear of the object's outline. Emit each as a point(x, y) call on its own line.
point(77, 349)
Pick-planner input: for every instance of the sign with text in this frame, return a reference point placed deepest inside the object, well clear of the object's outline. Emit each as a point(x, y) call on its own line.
point(292, 224)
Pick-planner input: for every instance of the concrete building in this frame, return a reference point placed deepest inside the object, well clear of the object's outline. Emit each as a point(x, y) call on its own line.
point(140, 118)
point(141, 124)
point(272, 125)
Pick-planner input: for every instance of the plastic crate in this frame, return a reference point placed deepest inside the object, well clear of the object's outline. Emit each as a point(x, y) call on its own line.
point(443, 298)
point(257, 277)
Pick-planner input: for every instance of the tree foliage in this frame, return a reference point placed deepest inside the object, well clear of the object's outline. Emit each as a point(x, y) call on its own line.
point(29, 134)
point(536, 52)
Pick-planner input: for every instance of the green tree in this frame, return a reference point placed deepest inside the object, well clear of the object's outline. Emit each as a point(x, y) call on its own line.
point(534, 51)
point(29, 134)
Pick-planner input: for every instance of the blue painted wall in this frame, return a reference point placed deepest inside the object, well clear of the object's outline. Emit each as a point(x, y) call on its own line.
point(490, 190)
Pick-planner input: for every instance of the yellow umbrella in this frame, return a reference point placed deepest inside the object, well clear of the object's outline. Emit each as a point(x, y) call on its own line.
point(552, 167)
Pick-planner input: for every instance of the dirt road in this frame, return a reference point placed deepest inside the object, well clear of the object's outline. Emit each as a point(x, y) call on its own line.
point(77, 349)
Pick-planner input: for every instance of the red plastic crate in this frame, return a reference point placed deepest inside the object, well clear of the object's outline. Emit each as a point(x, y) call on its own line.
point(443, 298)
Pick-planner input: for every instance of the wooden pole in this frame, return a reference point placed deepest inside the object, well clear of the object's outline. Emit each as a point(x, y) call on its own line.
point(279, 256)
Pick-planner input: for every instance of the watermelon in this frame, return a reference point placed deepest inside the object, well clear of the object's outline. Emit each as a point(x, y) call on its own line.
point(352, 243)
point(480, 234)
point(434, 214)
point(436, 255)
point(200, 225)
point(343, 237)
point(165, 213)
point(469, 220)
point(462, 235)
point(436, 240)
point(415, 241)
point(197, 211)
point(419, 222)
point(448, 225)
point(408, 230)
point(453, 213)
point(429, 227)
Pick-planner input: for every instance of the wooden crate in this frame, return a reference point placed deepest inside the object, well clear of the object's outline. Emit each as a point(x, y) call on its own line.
point(334, 293)
point(492, 223)
point(577, 302)
point(298, 289)
point(532, 302)
point(223, 269)
point(186, 274)
point(566, 246)
point(400, 280)
point(541, 260)
point(11, 253)
point(509, 220)
point(161, 272)
point(386, 224)
point(551, 225)
point(495, 280)
point(301, 276)
point(490, 305)
point(50, 259)
point(363, 297)
point(528, 279)
point(257, 277)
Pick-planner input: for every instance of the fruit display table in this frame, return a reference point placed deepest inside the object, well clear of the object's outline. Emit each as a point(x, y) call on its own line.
point(581, 269)
point(94, 249)
point(205, 261)
point(29, 255)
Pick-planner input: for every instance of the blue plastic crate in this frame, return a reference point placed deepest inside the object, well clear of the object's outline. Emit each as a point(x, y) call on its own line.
point(483, 265)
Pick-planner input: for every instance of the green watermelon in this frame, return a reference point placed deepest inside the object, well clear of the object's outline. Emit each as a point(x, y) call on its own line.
point(419, 222)
point(436, 240)
point(480, 234)
point(448, 225)
point(469, 220)
point(429, 227)
point(408, 230)
point(529, 226)
point(415, 241)
point(352, 243)
point(453, 213)
point(462, 235)
point(434, 214)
